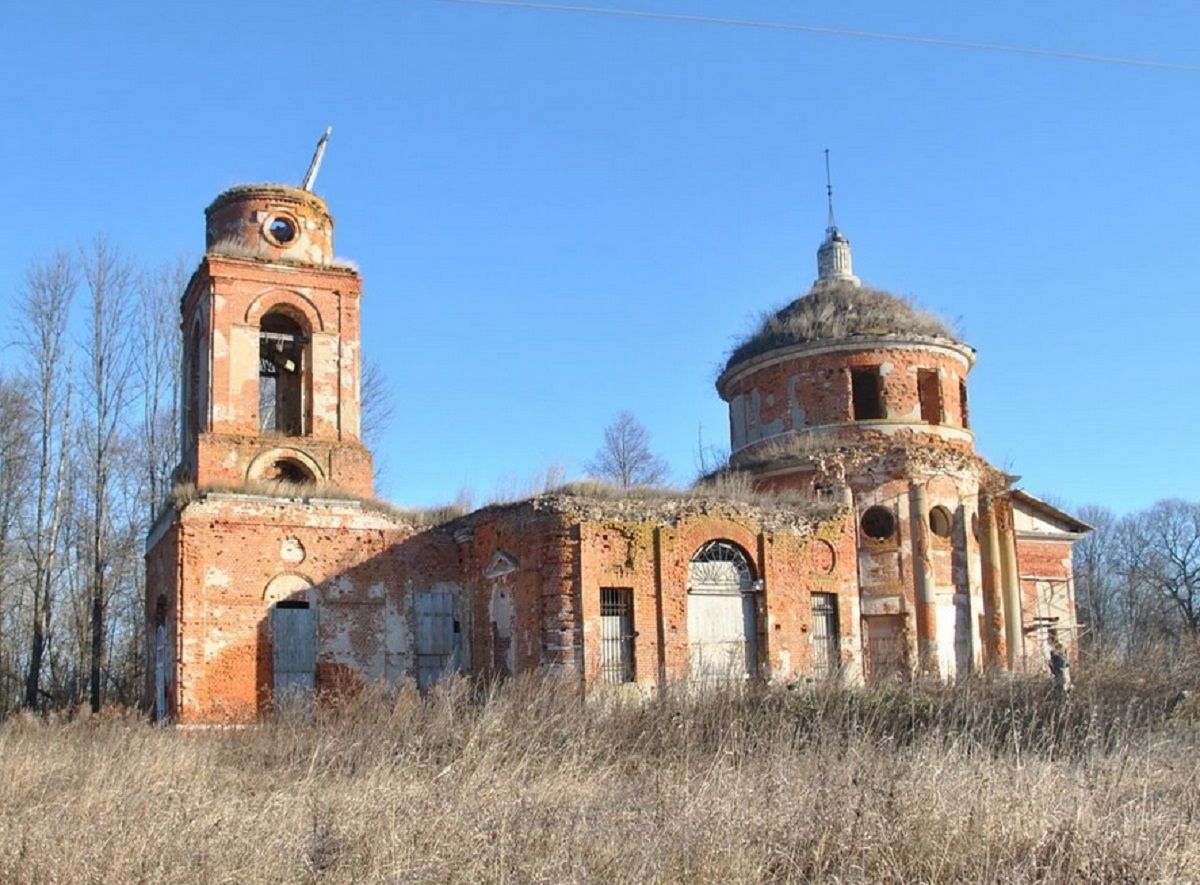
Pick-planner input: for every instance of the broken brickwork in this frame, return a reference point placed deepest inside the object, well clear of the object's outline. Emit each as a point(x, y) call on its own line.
point(875, 544)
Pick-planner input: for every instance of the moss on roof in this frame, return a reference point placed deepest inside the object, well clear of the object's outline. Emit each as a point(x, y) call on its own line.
point(833, 311)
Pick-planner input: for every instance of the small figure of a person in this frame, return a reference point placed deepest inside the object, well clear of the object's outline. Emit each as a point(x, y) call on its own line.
point(1060, 668)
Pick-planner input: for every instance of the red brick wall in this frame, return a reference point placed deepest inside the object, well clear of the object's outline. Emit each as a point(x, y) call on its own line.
point(805, 391)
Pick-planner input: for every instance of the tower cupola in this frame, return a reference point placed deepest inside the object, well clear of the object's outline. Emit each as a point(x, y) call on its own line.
point(834, 264)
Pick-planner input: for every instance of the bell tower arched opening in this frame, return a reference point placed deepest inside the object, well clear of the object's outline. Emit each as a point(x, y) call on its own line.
point(283, 376)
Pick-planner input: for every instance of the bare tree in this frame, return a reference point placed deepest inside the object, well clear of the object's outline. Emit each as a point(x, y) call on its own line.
point(1097, 592)
point(42, 311)
point(15, 460)
point(1171, 567)
point(156, 373)
point(625, 458)
point(106, 351)
point(378, 400)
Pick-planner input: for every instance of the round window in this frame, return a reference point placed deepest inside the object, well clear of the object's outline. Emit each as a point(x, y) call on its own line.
point(281, 230)
point(940, 522)
point(878, 523)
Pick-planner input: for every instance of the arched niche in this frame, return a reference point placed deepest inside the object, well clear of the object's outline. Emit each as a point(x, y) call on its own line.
point(289, 587)
point(285, 464)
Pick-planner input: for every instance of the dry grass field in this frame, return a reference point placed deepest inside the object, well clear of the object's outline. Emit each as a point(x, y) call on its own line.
point(985, 781)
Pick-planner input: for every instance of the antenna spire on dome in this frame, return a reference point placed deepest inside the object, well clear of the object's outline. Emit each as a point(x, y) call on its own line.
point(829, 192)
point(834, 264)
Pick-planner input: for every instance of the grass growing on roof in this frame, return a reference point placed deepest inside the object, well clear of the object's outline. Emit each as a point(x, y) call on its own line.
point(840, 310)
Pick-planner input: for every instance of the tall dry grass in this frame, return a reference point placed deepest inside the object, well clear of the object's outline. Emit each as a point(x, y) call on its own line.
point(991, 780)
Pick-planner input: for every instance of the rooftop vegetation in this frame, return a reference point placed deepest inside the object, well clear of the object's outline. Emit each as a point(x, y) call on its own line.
point(833, 311)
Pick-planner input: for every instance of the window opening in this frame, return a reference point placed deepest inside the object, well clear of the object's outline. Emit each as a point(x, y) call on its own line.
point(616, 635)
point(291, 471)
point(879, 524)
point(292, 603)
point(929, 392)
point(193, 383)
point(282, 230)
point(867, 394)
point(940, 522)
point(823, 637)
point(721, 565)
point(962, 399)
point(281, 346)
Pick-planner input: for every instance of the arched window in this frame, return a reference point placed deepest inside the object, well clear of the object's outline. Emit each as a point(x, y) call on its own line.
point(193, 391)
point(720, 566)
point(282, 371)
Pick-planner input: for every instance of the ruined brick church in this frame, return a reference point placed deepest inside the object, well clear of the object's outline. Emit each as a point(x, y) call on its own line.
point(892, 548)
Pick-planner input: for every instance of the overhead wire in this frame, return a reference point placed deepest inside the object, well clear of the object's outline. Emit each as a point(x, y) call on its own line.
point(621, 12)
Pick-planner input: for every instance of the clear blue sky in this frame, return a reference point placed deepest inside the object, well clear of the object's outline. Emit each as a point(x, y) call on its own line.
point(560, 216)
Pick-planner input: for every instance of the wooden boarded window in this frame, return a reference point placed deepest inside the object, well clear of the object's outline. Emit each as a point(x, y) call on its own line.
point(616, 635)
point(866, 393)
point(929, 391)
point(962, 400)
point(823, 637)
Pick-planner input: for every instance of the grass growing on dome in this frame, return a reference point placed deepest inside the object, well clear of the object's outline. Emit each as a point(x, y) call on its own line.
point(840, 310)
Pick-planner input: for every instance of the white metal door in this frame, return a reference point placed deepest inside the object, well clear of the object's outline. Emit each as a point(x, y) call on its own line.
point(721, 615)
point(294, 651)
point(437, 640)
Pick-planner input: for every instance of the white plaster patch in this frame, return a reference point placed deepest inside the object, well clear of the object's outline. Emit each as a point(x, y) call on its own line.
point(885, 368)
point(500, 610)
point(502, 564)
point(292, 551)
point(377, 591)
point(214, 577)
point(799, 418)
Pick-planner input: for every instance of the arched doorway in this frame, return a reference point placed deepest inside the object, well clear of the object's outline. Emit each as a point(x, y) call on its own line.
point(292, 634)
point(721, 614)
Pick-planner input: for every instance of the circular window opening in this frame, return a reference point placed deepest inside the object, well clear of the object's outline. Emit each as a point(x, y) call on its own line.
point(281, 230)
point(940, 522)
point(878, 524)
point(290, 471)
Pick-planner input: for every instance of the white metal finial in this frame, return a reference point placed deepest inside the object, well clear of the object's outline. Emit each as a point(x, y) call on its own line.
point(318, 155)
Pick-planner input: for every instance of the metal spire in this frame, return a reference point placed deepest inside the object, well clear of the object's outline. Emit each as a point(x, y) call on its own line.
point(834, 262)
point(832, 226)
point(318, 155)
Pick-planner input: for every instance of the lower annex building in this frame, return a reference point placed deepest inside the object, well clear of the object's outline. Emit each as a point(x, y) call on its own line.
point(896, 550)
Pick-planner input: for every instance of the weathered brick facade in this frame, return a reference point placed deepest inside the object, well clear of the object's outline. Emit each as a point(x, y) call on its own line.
point(900, 550)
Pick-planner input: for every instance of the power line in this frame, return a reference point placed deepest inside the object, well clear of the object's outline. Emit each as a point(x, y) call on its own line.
point(836, 32)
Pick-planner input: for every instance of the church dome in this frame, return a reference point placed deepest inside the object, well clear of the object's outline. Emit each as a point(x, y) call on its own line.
point(836, 310)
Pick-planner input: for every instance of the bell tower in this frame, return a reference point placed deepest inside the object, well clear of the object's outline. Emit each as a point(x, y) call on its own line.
point(271, 356)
